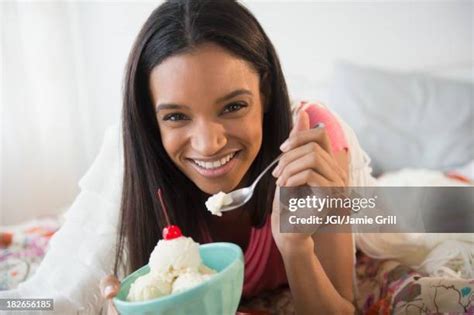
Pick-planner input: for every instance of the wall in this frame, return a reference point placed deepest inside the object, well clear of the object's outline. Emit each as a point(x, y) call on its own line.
point(41, 166)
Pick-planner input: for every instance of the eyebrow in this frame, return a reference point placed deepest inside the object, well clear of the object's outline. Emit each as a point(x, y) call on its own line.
point(169, 106)
point(229, 96)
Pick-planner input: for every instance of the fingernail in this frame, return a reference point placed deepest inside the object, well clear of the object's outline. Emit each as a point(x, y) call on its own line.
point(108, 290)
point(274, 173)
point(278, 182)
point(284, 146)
point(276, 170)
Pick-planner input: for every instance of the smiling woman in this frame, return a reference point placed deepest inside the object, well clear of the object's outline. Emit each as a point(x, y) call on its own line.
point(206, 109)
point(193, 96)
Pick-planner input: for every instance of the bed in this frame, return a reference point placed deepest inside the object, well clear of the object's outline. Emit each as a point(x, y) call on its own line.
point(402, 121)
point(384, 286)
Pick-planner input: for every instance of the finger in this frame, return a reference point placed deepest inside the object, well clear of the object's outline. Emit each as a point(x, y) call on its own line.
point(109, 286)
point(276, 200)
point(299, 107)
point(307, 177)
point(318, 135)
point(292, 155)
point(334, 165)
point(311, 161)
point(302, 123)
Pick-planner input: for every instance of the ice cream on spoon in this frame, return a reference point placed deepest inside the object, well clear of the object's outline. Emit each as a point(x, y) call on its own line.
point(215, 203)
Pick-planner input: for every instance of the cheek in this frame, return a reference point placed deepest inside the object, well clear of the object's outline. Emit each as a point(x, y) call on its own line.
point(254, 135)
point(173, 142)
point(251, 132)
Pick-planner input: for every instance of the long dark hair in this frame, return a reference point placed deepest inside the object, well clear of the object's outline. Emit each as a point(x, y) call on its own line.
point(177, 27)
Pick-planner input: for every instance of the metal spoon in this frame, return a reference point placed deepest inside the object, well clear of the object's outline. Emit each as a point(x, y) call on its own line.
point(242, 196)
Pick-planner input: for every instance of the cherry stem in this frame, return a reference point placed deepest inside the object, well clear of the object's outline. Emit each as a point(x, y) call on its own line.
point(165, 211)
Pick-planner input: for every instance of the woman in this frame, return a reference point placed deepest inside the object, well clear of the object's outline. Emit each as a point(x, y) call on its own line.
point(204, 86)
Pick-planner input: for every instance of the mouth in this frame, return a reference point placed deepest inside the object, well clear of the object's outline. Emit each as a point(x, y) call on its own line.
point(217, 167)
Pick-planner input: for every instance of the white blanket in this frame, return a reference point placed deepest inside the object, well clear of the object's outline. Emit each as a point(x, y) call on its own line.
point(437, 254)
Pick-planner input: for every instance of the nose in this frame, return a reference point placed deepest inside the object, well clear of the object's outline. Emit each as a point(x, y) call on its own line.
point(208, 138)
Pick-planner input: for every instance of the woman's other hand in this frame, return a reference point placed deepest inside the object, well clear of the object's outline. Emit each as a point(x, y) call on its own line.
point(109, 287)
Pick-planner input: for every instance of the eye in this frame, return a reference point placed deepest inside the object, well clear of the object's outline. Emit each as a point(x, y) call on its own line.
point(175, 117)
point(233, 107)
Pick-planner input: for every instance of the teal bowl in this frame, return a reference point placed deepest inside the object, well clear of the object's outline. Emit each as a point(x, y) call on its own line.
point(219, 295)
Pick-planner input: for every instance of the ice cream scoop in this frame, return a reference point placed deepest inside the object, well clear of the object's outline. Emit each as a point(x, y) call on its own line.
point(188, 280)
point(174, 256)
point(149, 286)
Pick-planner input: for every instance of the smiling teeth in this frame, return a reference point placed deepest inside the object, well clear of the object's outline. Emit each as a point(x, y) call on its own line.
point(215, 164)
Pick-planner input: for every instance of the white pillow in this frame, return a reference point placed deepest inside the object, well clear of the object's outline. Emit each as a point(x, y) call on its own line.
point(406, 119)
point(459, 73)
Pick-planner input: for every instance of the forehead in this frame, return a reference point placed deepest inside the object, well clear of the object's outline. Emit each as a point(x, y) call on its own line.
point(208, 71)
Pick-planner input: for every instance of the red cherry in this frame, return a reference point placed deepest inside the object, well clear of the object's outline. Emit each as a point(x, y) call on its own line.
point(171, 231)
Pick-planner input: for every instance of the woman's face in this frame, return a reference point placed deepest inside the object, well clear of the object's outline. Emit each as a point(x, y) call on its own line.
point(210, 113)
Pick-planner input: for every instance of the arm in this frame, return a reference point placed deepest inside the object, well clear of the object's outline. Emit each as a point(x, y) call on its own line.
point(319, 268)
point(314, 286)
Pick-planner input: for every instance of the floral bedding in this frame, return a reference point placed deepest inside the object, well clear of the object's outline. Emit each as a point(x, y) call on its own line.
point(388, 287)
point(22, 247)
point(384, 286)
